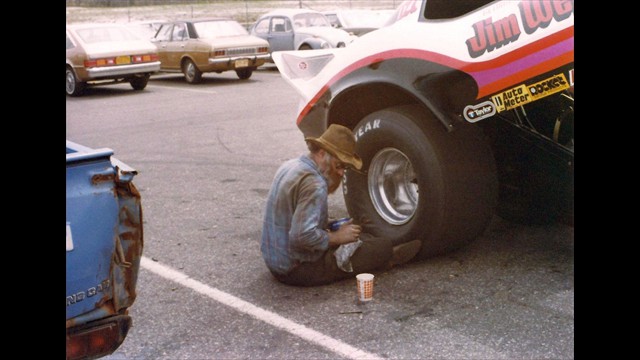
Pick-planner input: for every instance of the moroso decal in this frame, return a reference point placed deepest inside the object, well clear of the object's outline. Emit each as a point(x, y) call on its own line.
point(473, 113)
point(523, 94)
point(537, 14)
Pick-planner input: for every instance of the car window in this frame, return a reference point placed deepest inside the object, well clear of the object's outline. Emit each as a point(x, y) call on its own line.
point(179, 32)
point(280, 24)
point(164, 34)
point(445, 9)
point(310, 19)
point(333, 19)
point(106, 34)
point(70, 44)
point(219, 28)
point(262, 26)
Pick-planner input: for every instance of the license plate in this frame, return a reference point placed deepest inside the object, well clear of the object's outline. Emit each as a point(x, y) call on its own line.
point(123, 60)
point(242, 63)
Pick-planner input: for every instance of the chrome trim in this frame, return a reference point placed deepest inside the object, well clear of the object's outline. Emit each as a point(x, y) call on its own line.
point(234, 58)
point(99, 72)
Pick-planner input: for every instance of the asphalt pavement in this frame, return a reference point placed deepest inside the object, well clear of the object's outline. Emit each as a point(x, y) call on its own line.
point(206, 155)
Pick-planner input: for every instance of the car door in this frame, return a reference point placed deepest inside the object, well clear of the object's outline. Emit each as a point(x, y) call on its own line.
point(172, 40)
point(162, 40)
point(281, 34)
point(277, 31)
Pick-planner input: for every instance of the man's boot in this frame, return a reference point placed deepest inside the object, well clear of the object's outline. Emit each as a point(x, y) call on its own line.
point(403, 253)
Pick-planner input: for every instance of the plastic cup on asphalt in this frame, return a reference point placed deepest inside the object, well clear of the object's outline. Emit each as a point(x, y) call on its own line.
point(365, 287)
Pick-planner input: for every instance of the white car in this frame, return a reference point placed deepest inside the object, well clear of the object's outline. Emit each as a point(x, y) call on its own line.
point(299, 29)
point(100, 54)
point(358, 21)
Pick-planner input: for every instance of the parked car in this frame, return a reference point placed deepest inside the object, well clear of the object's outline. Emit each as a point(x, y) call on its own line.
point(358, 21)
point(462, 110)
point(299, 29)
point(194, 47)
point(100, 54)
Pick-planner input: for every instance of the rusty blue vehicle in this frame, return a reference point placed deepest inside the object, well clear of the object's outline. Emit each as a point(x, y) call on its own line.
point(104, 247)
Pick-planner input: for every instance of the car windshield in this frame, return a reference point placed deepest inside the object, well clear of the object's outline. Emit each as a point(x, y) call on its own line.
point(105, 34)
point(310, 19)
point(213, 29)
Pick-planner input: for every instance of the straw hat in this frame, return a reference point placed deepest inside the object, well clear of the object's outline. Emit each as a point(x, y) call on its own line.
point(340, 142)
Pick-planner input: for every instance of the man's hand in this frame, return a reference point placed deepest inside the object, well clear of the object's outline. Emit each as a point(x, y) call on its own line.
point(347, 233)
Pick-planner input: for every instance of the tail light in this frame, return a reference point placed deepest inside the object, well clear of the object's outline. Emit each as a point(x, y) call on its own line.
point(98, 340)
point(120, 60)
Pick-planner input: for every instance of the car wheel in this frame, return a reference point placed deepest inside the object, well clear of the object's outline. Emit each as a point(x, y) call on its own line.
point(191, 72)
point(420, 181)
point(74, 87)
point(304, 47)
point(244, 73)
point(139, 82)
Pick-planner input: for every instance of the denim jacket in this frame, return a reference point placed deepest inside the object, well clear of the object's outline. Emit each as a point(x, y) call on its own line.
point(295, 218)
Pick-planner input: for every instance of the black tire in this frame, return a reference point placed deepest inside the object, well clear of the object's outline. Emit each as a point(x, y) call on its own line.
point(74, 87)
point(192, 74)
point(244, 73)
point(421, 181)
point(304, 47)
point(139, 82)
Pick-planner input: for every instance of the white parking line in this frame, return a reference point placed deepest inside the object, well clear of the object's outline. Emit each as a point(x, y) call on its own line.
point(269, 317)
point(185, 89)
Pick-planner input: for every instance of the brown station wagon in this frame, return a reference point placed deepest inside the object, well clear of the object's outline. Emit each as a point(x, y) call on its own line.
point(194, 47)
point(100, 54)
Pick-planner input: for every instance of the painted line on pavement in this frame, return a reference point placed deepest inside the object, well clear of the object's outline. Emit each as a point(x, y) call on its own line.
point(185, 89)
point(269, 317)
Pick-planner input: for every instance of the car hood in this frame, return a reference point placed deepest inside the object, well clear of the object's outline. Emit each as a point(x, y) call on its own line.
point(119, 48)
point(328, 33)
point(235, 41)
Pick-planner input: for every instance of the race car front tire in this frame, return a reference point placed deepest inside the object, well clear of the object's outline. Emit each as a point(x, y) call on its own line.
point(420, 181)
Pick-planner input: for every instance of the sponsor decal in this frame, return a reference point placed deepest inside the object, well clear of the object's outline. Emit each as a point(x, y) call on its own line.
point(523, 94)
point(547, 87)
point(473, 113)
point(537, 14)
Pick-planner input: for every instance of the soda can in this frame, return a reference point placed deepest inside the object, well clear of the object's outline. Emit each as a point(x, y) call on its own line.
point(335, 225)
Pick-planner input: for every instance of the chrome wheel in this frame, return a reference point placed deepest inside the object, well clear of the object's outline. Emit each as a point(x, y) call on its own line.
point(71, 82)
point(191, 73)
point(73, 86)
point(393, 186)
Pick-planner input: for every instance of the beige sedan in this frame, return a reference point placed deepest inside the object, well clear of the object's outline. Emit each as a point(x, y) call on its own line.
point(99, 54)
point(194, 47)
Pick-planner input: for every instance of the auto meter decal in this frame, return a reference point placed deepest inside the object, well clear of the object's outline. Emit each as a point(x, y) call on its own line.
point(523, 94)
point(478, 112)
